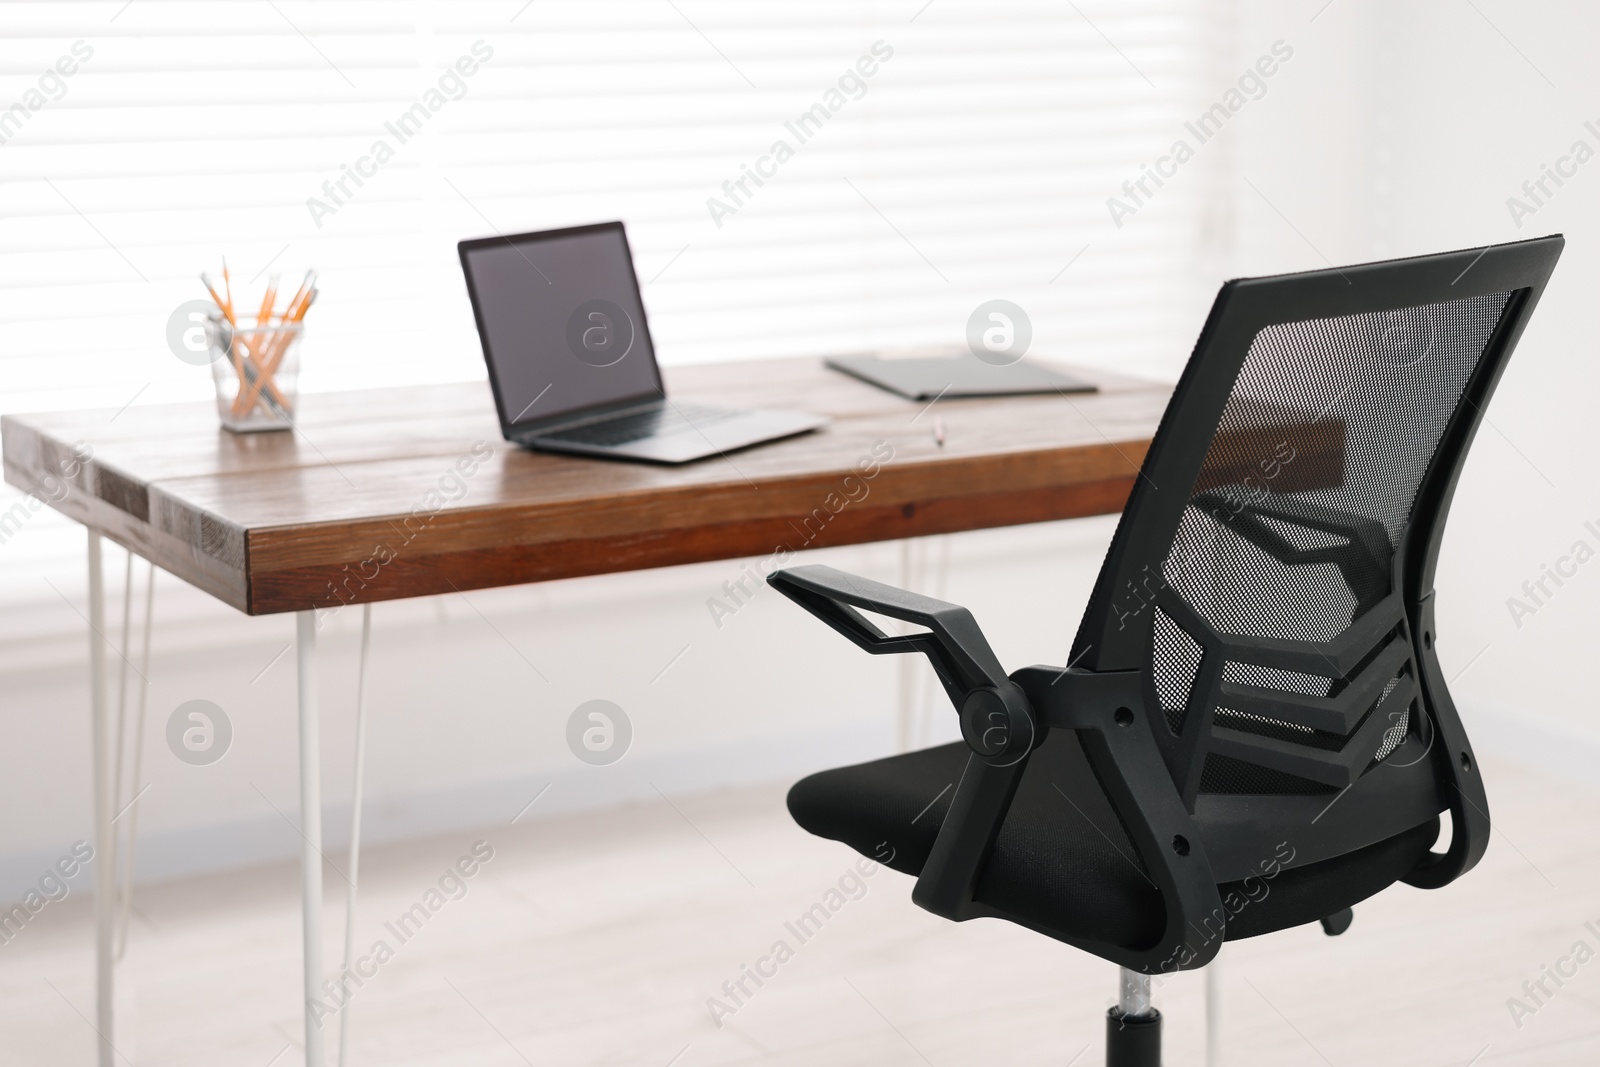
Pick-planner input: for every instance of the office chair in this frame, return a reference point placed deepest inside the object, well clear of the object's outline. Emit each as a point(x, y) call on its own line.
point(1252, 731)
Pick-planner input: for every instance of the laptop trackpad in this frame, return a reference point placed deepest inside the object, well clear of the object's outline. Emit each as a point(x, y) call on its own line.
point(710, 437)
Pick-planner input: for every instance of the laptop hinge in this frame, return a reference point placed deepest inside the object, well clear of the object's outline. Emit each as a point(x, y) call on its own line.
point(572, 424)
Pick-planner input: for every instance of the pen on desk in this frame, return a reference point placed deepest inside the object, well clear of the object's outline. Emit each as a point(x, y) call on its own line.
point(938, 431)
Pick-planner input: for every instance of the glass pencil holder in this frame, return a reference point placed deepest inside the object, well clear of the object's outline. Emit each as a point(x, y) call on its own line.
point(257, 371)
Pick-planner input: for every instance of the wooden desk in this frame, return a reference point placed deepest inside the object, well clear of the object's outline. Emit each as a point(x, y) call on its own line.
point(271, 522)
point(408, 492)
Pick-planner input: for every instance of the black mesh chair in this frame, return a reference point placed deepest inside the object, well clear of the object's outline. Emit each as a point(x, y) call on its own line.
point(1252, 731)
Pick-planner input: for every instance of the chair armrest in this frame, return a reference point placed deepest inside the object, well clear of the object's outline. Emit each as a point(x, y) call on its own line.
point(996, 719)
point(1096, 706)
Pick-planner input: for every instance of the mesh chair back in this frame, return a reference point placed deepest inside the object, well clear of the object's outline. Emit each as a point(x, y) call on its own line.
point(1272, 568)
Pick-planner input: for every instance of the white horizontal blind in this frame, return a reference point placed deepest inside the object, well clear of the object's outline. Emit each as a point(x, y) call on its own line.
point(973, 162)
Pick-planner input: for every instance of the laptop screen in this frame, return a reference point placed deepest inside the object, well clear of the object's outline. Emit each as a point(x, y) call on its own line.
point(561, 322)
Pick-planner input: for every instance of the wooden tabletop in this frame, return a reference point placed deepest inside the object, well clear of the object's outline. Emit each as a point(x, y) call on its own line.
point(393, 493)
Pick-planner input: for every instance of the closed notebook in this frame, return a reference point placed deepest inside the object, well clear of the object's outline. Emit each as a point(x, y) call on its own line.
point(925, 374)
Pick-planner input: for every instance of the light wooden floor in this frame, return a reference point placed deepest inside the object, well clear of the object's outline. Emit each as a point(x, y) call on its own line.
point(598, 939)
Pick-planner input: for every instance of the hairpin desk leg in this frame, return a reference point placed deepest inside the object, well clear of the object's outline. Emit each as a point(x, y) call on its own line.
point(310, 827)
point(105, 874)
point(1213, 1014)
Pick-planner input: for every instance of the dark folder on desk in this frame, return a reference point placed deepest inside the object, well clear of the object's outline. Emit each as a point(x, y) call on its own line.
point(929, 373)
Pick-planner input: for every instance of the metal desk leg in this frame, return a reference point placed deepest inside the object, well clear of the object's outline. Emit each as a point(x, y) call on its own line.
point(310, 826)
point(1214, 1013)
point(105, 875)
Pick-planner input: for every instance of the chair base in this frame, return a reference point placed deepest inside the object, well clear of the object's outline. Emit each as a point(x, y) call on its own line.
point(1133, 1040)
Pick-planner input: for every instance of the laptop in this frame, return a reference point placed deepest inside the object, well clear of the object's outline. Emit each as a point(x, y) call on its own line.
point(570, 357)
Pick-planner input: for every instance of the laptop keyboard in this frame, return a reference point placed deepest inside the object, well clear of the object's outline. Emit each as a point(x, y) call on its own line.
point(636, 425)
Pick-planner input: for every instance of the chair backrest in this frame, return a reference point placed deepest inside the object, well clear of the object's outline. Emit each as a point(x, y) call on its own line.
point(1272, 573)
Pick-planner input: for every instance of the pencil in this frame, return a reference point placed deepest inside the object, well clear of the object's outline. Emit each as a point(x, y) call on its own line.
point(282, 339)
point(268, 299)
point(277, 345)
point(263, 319)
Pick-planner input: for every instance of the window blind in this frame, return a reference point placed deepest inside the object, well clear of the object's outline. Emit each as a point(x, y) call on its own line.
point(934, 155)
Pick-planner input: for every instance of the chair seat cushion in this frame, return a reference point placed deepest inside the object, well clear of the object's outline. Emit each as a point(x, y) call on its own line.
point(1062, 860)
